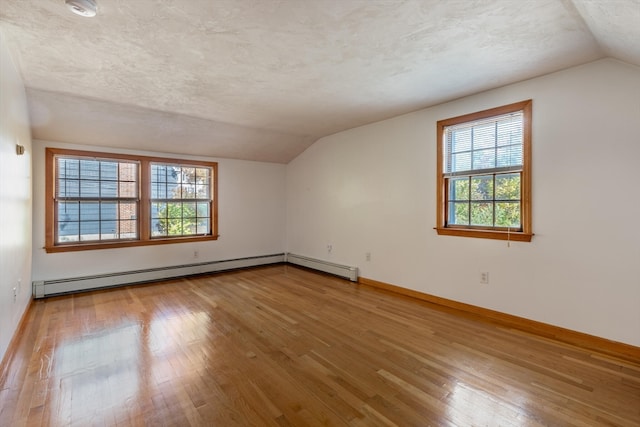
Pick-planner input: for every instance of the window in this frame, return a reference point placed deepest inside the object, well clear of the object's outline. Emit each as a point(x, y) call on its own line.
point(484, 179)
point(103, 200)
point(96, 200)
point(180, 200)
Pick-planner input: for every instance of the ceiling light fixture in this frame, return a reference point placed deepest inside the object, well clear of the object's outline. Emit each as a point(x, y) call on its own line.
point(86, 8)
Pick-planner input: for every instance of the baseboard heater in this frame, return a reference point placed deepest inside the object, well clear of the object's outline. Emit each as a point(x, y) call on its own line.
point(345, 271)
point(47, 288)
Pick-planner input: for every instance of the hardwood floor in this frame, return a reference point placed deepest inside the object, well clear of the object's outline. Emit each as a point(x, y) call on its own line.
point(282, 346)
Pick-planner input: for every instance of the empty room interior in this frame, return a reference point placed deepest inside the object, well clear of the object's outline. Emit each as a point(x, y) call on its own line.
point(320, 212)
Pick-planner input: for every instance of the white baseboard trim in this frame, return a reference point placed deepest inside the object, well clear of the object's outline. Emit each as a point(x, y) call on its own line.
point(45, 288)
point(345, 271)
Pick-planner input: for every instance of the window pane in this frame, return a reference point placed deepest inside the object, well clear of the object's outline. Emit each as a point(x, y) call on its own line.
point(174, 210)
point(173, 191)
point(174, 227)
point(177, 172)
point(188, 175)
point(68, 231)
point(89, 211)
point(516, 155)
point(508, 214)
point(202, 191)
point(189, 210)
point(128, 189)
point(460, 162)
point(68, 188)
point(459, 188)
point(129, 229)
point(128, 171)
point(128, 210)
point(203, 176)
point(482, 214)
point(68, 211)
point(460, 140)
point(173, 174)
point(459, 213)
point(158, 227)
point(203, 210)
point(508, 187)
point(68, 168)
point(510, 130)
point(90, 169)
point(89, 230)
point(109, 211)
point(183, 182)
point(89, 188)
point(503, 156)
point(158, 210)
point(109, 171)
point(495, 143)
point(158, 173)
point(108, 230)
point(510, 155)
point(482, 187)
point(188, 191)
point(108, 189)
point(484, 136)
point(484, 159)
point(203, 226)
point(188, 227)
point(159, 190)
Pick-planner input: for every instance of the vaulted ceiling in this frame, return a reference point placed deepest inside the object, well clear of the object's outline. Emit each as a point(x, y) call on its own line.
point(264, 79)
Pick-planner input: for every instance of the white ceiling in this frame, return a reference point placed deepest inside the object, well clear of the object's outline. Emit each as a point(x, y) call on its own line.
point(263, 79)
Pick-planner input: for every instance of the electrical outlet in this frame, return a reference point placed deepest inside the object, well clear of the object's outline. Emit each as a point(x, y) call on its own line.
point(484, 278)
point(196, 254)
point(329, 248)
point(367, 256)
point(15, 294)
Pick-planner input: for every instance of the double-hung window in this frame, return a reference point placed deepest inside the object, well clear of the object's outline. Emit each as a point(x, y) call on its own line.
point(180, 200)
point(96, 199)
point(484, 178)
point(104, 200)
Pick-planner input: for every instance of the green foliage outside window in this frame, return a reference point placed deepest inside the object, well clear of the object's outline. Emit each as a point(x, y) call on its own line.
point(485, 200)
point(185, 208)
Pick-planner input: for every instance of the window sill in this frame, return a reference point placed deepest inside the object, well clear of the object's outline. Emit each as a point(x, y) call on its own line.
point(485, 234)
point(125, 244)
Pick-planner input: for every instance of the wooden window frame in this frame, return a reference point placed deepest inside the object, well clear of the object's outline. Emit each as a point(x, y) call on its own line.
point(172, 200)
point(442, 228)
point(144, 208)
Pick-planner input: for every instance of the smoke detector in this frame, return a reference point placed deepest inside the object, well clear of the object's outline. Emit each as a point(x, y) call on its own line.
point(86, 8)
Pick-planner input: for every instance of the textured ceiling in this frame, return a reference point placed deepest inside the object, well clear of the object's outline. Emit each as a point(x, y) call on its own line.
point(263, 79)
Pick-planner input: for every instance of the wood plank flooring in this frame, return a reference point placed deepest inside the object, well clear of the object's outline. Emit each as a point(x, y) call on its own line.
point(283, 346)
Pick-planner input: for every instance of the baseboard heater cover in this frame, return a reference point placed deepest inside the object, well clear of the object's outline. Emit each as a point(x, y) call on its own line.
point(47, 288)
point(345, 271)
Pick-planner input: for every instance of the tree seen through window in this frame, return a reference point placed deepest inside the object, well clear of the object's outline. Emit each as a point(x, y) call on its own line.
point(180, 200)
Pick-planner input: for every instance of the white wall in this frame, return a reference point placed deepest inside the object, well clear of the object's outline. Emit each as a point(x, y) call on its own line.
point(251, 222)
point(15, 199)
point(372, 189)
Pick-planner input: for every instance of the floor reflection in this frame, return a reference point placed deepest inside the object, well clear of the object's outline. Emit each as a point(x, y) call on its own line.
point(101, 367)
point(123, 366)
point(471, 406)
point(169, 334)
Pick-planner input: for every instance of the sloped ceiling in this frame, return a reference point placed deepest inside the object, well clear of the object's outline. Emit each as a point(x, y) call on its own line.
point(263, 79)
